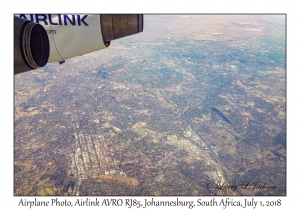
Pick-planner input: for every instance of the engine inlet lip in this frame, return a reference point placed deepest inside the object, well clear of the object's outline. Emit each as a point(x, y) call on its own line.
point(34, 45)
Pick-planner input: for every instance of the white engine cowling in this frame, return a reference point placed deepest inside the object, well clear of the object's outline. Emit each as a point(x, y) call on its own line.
point(74, 35)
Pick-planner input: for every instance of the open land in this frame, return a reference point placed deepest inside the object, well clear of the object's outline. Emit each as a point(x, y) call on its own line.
point(194, 105)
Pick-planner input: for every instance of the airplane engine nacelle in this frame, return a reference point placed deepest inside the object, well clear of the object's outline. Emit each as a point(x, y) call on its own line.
point(74, 35)
point(31, 45)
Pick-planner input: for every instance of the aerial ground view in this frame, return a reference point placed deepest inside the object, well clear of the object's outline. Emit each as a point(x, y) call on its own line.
point(194, 105)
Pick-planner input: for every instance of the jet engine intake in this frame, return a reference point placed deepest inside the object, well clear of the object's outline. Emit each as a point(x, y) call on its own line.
point(31, 45)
